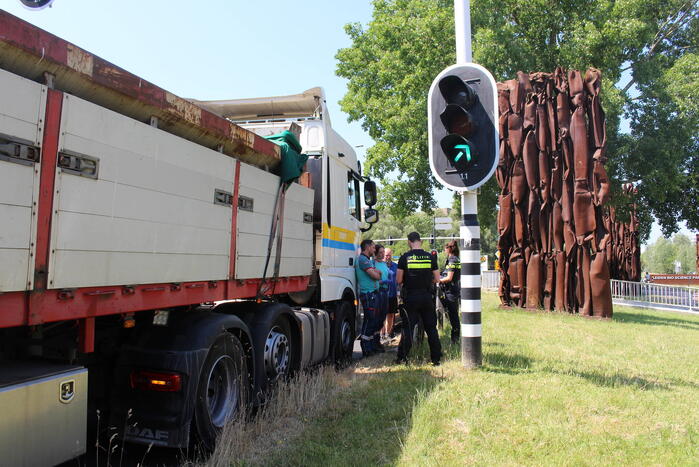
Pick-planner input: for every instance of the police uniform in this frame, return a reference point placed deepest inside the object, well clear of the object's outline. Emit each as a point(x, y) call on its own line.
point(452, 295)
point(418, 266)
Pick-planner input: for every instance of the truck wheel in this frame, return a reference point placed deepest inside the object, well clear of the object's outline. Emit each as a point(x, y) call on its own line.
point(222, 388)
point(278, 350)
point(343, 335)
point(418, 333)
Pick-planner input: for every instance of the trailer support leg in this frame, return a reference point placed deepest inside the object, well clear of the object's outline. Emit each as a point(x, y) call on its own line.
point(86, 336)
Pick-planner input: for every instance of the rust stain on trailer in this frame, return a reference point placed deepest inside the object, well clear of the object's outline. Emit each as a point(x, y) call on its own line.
point(240, 134)
point(79, 60)
point(183, 108)
point(244, 141)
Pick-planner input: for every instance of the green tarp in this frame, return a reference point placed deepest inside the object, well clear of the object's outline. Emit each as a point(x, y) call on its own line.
point(292, 159)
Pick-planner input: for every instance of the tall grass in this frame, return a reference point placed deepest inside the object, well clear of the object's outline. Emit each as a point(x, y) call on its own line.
point(252, 438)
point(554, 389)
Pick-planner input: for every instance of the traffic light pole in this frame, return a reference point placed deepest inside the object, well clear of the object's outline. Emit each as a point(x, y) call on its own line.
point(470, 231)
point(462, 23)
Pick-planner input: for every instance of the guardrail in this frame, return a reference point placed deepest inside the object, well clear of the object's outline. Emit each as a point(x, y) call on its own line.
point(660, 296)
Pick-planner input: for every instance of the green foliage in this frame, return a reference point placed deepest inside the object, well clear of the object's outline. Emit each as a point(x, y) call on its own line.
point(648, 45)
point(683, 87)
point(660, 257)
point(389, 68)
point(421, 222)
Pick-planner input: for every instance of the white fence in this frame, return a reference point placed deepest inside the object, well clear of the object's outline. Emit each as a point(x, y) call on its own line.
point(648, 295)
point(490, 279)
point(638, 294)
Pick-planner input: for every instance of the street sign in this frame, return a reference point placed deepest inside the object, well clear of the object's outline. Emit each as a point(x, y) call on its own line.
point(448, 226)
point(442, 220)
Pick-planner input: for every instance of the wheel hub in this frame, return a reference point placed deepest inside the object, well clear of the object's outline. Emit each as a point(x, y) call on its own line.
point(276, 353)
point(222, 391)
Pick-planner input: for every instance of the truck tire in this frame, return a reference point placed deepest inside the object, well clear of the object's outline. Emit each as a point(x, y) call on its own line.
point(418, 333)
point(343, 335)
point(222, 389)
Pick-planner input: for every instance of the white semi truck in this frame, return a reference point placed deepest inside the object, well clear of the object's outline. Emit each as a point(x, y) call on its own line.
point(152, 270)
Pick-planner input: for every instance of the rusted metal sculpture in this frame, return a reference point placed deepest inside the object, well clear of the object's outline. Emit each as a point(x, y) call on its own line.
point(623, 251)
point(553, 241)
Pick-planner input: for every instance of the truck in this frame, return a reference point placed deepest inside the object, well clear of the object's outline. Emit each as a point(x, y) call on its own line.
point(158, 274)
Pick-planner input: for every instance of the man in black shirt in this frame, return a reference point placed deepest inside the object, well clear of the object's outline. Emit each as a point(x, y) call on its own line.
point(417, 272)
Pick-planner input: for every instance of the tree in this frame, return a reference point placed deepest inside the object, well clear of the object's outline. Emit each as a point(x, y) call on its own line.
point(661, 256)
point(651, 45)
point(390, 226)
point(389, 68)
point(685, 253)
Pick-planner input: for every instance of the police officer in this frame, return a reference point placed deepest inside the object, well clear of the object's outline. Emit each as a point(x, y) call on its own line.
point(417, 273)
point(451, 285)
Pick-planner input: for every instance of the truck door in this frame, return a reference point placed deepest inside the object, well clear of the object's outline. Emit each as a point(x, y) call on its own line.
point(340, 237)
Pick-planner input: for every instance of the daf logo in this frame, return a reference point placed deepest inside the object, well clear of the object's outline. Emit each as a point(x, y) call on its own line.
point(147, 433)
point(67, 391)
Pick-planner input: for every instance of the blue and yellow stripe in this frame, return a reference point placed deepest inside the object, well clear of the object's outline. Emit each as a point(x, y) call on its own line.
point(338, 238)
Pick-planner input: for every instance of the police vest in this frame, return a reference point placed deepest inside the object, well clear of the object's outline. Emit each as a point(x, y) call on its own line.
point(417, 266)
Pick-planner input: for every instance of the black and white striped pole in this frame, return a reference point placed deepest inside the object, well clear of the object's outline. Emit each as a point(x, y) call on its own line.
point(470, 313)
point(463, 139)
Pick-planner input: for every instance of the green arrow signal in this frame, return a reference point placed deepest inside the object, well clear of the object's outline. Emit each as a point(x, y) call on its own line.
point(466, 149)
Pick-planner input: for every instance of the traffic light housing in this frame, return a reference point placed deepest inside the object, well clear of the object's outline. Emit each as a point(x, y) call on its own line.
point(462, 127)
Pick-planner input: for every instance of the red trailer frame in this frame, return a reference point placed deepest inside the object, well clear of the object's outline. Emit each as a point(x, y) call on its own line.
point(31, 52)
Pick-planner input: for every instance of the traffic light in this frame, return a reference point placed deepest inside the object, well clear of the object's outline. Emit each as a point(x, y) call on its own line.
point(462, 127)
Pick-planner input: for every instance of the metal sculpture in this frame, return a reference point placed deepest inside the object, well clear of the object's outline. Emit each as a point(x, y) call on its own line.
point(623, 250)
point(553, 240)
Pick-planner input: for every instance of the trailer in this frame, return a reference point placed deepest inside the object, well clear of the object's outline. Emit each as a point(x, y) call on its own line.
point(157, 272)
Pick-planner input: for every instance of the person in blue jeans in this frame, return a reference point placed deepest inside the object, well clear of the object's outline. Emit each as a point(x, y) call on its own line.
point(382, 308)
point(368, 283)
point(392, 309)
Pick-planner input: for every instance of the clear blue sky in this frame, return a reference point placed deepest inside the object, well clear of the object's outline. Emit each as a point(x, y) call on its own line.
point(220, 49)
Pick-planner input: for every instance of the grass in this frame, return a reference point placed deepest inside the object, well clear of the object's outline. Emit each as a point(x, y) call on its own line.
point(554, 389)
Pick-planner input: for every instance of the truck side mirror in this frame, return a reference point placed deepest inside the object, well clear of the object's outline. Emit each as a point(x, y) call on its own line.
point(371, 216)
point(370, 193)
